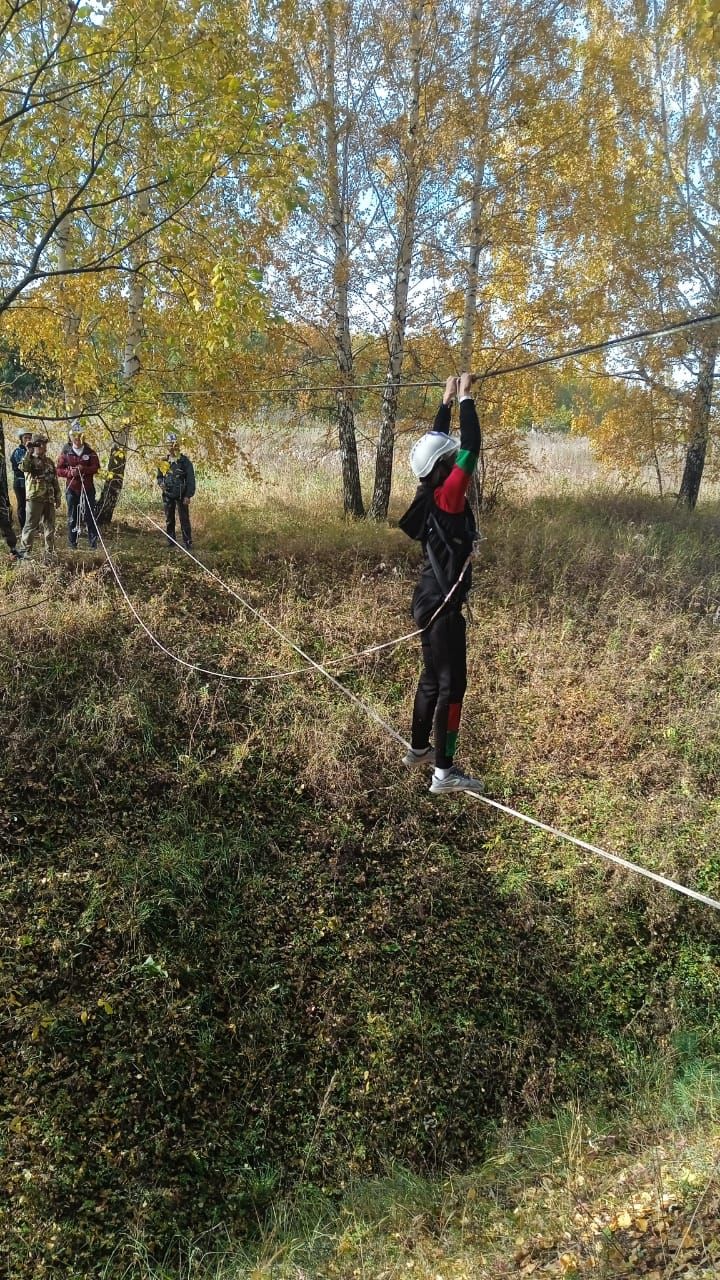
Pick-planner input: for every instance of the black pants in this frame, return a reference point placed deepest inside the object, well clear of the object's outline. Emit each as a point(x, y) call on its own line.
point(19, 491)
point(441, 687)
point(184, 512)
point(73, 514)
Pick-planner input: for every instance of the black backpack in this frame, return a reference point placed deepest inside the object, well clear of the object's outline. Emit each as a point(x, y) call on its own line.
point(174, 481)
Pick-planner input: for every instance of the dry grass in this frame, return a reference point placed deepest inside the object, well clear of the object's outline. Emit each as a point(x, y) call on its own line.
point(594, 666)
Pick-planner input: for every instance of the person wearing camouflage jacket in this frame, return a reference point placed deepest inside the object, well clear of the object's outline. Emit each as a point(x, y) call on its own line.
point(43, 494)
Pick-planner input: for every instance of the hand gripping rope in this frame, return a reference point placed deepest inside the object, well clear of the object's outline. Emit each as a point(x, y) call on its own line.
point(614, 858)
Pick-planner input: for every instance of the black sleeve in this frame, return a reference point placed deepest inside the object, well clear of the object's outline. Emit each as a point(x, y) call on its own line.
point(442, 419)
point(189, 471)
point(469, 427)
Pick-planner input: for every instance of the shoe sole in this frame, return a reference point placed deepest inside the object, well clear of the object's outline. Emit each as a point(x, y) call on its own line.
point(449, 791)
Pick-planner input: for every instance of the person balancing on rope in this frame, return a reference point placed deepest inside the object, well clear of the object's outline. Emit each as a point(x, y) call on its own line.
point(441, 518)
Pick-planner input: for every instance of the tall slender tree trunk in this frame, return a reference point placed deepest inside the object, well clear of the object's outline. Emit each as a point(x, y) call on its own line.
point(117, 460)
point(71, 318)
point(479, 164)
point(467, 339)
point(337, 218)
point(475, 246)
point(699, 426)
point(386, 443)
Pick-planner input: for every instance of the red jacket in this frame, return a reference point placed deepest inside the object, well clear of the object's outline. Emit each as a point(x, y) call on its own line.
point(71, 466)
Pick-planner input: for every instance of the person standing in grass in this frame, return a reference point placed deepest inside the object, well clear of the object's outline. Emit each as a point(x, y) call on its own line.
point(43, 495)
point(78, 465)
point(441, 519)
point(16, 458)
point(6, 527)
point(176, 478)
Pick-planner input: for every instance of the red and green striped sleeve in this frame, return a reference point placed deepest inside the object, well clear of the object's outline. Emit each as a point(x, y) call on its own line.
point(450, 496)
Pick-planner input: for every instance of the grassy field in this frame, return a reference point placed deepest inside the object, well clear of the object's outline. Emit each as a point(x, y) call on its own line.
point(271, 1010)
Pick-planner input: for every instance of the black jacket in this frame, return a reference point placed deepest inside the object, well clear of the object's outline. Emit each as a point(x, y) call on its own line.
point(16, 458)
point(179, 479)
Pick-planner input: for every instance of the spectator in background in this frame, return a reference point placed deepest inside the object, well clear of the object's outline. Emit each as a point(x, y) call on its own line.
point(6, 527)
point(176, 478)
point(16, 457)
point(43, 495)
point(78, 464)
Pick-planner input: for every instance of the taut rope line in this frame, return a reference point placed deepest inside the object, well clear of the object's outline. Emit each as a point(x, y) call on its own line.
point(286, 639)
point(275, 675)
point(614, 858)
point(589, 348)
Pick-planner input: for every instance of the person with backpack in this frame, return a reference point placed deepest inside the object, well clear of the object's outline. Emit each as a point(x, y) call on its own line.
point(16, 457)
point(176, 478)
point(77, 465)
point(442, 520)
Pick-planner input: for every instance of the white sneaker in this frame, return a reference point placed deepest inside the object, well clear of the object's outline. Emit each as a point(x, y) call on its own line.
point(414, 758)
point(456, 780)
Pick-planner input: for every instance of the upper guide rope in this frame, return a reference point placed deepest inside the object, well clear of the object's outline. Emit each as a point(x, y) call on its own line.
point(588, 348)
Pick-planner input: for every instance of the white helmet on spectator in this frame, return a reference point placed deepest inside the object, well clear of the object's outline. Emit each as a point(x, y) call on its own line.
point(428, 450)
point(171, 437)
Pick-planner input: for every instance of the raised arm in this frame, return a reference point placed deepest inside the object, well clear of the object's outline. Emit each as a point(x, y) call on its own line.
point(444, 413)
point(450, 496)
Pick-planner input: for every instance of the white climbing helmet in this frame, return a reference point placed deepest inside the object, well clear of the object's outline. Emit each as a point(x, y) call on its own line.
point(428, 450)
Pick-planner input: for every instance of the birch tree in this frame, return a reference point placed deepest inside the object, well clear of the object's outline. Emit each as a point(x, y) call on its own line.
point(407, 174)
point(337, 142)
point(657, 180)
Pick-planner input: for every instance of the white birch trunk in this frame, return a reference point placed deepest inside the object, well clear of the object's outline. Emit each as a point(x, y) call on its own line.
point(337, 221)
point(131, 361)
point(476, 204)
point(406, 246)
